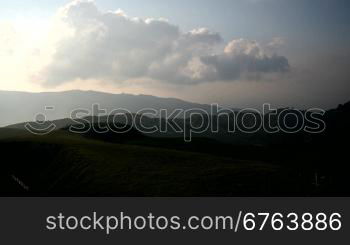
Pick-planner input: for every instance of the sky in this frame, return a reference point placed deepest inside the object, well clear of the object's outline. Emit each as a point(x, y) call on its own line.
point(239, 53)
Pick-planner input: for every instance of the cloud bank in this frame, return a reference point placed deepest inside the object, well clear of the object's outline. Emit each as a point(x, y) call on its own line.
point(111, 46)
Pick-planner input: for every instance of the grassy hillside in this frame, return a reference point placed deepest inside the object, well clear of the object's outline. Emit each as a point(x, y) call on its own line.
point(132, 164)
point(65, 164)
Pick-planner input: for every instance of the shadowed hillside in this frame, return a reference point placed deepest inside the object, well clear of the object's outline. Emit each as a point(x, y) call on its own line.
point(134, 164)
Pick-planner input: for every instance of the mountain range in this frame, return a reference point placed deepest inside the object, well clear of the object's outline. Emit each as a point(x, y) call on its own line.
point(135, 164)
point(17, 107)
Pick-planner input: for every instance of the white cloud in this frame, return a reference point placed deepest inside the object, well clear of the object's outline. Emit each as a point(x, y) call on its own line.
point(276, 42)
point(244, 58)
point(84, 43)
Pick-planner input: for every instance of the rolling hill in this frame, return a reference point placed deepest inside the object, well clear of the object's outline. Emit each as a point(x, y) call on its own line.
point(133, 164)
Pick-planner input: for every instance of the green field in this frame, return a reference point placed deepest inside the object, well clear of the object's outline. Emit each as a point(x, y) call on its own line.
point(67, 164)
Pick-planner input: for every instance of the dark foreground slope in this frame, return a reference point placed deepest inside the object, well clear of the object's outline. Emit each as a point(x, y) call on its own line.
point(64, 164)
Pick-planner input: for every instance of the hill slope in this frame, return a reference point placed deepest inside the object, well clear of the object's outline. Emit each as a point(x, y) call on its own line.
point(65, 164)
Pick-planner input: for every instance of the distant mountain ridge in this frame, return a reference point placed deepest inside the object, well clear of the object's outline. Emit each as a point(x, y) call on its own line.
point(336, 127)
point(18, 107)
